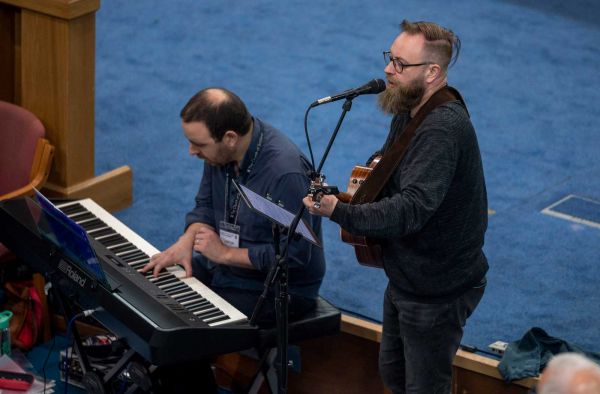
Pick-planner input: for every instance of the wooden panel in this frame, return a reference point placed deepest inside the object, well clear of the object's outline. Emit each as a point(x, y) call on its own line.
point(361, 328)
point(112, 190)
point(66, 9)
point(342, 363)
point(59, 89)
point(53, 71)
point(7, 53)
point(465, 381)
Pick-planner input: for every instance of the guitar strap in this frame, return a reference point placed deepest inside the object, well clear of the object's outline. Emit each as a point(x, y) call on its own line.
point(374, 183)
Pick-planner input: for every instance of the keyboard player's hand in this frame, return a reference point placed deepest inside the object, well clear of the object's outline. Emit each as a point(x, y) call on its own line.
point(178, 253)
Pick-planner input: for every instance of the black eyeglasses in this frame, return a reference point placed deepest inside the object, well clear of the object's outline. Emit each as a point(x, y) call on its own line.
point(398, 65)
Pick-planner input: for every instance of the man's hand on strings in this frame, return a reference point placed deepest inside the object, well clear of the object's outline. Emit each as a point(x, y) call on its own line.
point(324, 207)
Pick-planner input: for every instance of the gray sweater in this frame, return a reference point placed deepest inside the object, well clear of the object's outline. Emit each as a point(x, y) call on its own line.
point(431, 216)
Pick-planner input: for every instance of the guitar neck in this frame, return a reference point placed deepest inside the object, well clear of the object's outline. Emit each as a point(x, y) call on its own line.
point(344, 197)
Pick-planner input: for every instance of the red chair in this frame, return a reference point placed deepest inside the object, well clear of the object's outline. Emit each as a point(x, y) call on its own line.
point(25, 158)
point(25, 155)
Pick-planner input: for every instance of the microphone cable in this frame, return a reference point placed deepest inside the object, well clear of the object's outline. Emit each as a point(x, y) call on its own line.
point(312, 158)
point(46, 361)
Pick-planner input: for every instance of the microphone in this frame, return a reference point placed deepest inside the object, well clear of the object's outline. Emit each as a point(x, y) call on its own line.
point(374, 86)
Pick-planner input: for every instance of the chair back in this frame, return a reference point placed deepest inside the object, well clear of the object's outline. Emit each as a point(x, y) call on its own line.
point(20, 131)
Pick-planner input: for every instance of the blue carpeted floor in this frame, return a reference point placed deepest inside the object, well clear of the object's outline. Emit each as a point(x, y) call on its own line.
point(528, 72)
point(45, 361)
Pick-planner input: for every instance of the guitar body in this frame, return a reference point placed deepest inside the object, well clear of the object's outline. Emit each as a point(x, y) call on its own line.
point(368, 251)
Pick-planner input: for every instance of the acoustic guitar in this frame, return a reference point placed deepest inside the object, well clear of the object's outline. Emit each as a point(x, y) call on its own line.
point(368, 251)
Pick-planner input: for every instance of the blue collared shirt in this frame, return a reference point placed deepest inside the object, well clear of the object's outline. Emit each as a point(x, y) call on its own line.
point(279, 172)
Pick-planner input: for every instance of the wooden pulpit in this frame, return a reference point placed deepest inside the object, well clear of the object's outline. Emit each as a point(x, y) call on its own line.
point(47, 65)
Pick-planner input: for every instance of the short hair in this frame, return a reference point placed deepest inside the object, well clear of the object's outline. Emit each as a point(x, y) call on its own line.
point(566, 370)
point(440, 43)
point(220, 110)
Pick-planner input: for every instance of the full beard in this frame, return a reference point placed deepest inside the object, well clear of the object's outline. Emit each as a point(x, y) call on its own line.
point(398, 99)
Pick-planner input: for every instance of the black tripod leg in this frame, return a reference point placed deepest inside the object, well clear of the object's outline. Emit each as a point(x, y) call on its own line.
point(68, 312)
point(282, 302)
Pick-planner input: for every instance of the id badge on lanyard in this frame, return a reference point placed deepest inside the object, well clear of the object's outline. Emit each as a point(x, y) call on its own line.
point(229, 234)
point(229, 231)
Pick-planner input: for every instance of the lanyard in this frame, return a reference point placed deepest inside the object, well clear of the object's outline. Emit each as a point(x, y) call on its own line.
point(230, 215)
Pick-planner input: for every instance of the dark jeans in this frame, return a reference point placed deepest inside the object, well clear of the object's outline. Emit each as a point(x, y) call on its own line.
point(419, 341)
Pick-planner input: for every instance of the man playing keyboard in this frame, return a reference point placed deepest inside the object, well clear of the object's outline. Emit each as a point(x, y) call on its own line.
point(235, 245)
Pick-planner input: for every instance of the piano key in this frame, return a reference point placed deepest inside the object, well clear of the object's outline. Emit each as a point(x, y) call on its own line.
point(81, 216)
point(100, 233)
point(210, 315)
point(91, 224)
point(139, 265)
point(216, 319)
point(185, 294)
point(165, 280)
point(196, 305)
point(109, 240)
point(189, 301)
point(72, 208)
point(206, 312)
point(149, 275)
point(174, 288)
point(132, 255)
point(120, 248)
point(208, 319)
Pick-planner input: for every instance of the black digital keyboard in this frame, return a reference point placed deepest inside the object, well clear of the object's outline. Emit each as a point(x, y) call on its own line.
point(166, 320)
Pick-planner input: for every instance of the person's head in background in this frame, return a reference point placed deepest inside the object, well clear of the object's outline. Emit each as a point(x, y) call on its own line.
point(570, 373)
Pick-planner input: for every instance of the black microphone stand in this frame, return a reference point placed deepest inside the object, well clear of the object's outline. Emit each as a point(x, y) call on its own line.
point(279, 272)
point(346, 107)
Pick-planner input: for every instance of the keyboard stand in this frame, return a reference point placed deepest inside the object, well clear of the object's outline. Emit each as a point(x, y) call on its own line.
point(92, 381)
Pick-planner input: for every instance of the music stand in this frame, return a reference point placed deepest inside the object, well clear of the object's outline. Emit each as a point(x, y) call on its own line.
point(280, 218)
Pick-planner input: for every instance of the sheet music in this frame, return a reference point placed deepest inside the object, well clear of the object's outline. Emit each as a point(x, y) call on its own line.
point(275, 212)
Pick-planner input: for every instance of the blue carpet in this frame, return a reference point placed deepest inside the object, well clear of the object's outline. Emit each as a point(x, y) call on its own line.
point(528, 72)
point(50, 351)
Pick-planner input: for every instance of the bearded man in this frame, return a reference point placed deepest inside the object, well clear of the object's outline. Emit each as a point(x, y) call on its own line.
point(430, 217)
